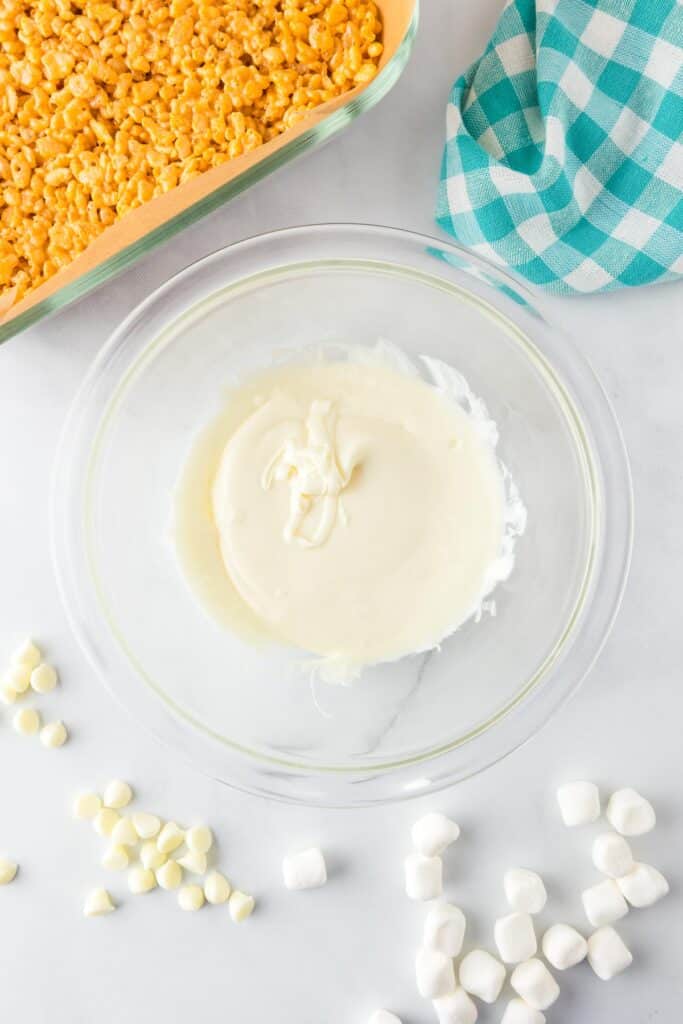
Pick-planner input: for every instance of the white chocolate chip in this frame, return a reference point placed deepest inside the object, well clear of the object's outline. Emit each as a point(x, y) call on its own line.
point(141, 880)
point(150, 856)
point(564, 947)
point(424, 877)
point(123, 833)
point(604, 903)
point(304, 870)
point(579, 803)
point(86, 806)
point(27, 654)
point(612, 855)
point(434, 974)
point(433, 833)
point(643, 885)
point(53, 735)
point(456, 1008)
point(8, 695)
point(199, 839)
point(216, 888)
point(630, 814)
point(8, 871)
point(444, 929)
point(170, 837)
point(116, 858)
point(117, 794)
point(607, 953)
point(193, 862)
point(43, 678)
point(519, 1012)
point(98, 902)
point(240, 905)
point(535, 984)
point(146, 825)
point(19, 678)
point(384, 1017)
point(105, 821)
point(515, 938)
point(525, 891)
point(169, 875)
point(191, 897)
point(482, 975)
point(26, 721)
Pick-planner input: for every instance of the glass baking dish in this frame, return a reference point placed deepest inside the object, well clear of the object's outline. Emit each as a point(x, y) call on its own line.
point(138, 233)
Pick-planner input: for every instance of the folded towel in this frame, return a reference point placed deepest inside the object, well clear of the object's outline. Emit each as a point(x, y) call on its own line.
point(563, 157)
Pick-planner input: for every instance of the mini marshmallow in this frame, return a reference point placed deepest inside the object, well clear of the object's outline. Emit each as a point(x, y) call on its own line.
point(612, 855)
point(98, 902)
point(630, 814)
point(424, 877)
point(169, 875)
point(8, 871)
point(643, 886)
point(27, 654)
point(604, 903)
point(482, 975)
point(304, 870)
point(199, 839)
point(170, 837)
point(456, 1008)
point(579, 803)
point(141, 880)
point(53, 735)
point(116, 858)
point(191, 897)
point(43, 678)
point(123, 833)
point(515, 938)
point(564, 947)
point(432, 833)
point(105, 821)
point(519, 1012)
point(151, 857)
point(444, 929)
point(240, 906)
point(146, 825)
point(117, 794)
point(434, 973)
point(384, 1017)
point(535, 984)
point(525, 891)
point(193, 862)
point(19, 678)
point(607, 953)
point(216, 888)
point(26, 721)
point(86, 806)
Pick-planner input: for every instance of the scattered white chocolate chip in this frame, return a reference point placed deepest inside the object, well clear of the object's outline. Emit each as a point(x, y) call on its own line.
point(27, 654)
point(170, 837)
point(515, 938)
point(87, 805)
point(193, 862)
point(43, 678)
point(199, 839)
point(607, 953)
point(98, 902)
point(116, 858)
point(216, 888)
point(117, 794)
point(434, 974)
point(19, 678)
point(146, 825)
point(105, 821)
point(482, 975)
point(444, 929)
point(240, 905)
point(643, 885)
point(456, 1008)
point(519, 1012)
point(141, 880)
point(123, 833)
point(433, 833)
point(191, 897)
point(53, 735)
point(579, 803)
point(384, 1017)
point(151, 856)
point(604, 903)
point(8, 871)
point(612, 855)
point(630, 814)
point(8, 695)
point(304, 870)
point(535, 984)
point(424, 877)
point(169, 875)
point(564, 947)
point(525, 891)
point(26, 721)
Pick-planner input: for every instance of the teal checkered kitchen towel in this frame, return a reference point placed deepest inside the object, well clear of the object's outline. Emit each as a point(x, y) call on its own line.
point(564, 157)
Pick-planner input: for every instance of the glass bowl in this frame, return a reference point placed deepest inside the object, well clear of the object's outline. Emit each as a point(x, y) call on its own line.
point(246, 715)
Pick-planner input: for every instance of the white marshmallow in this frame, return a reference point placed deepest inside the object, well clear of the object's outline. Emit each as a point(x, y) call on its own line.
point(643, 885)
point(519, 1012)
point(630, 814)
point(217, 888)
point(607, 954)
point(604, 903)
point(43, 678)
point(150, 856)
point(169, 875)
point(117, 794)
point(86, 805)
point(564, 947)
point(482, 975)
point(525, 891)
point(116, 858)
point(141, 880)
point(535, 984)
point(146, 825)
point(193, 862)
point(424, 877)
point(53, 735)
point(444, 929)
point(191, 897)
point(240, 905)
point(8, 871)
point(384, 1017)
point(123, 833)
point(434, 973)
point(579, 803)
point(456, 1008)
point(98, 902)
point(199, 839)
point(433, 833)
point(26, 722)
point(612, 855)
point(170, 837)
point(27, 654)
point(515, 938)
point(305, 870)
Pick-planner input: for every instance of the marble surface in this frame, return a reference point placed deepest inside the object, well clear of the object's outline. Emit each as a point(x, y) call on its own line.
point(332, 956)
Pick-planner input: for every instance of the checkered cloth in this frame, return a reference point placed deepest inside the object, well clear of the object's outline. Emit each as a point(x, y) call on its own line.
point(563, 157)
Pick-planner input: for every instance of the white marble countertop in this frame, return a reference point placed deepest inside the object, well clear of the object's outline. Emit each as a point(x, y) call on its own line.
point(333, 956)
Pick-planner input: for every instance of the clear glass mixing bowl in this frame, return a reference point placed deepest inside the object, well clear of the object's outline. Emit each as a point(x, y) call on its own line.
point(247, 716)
